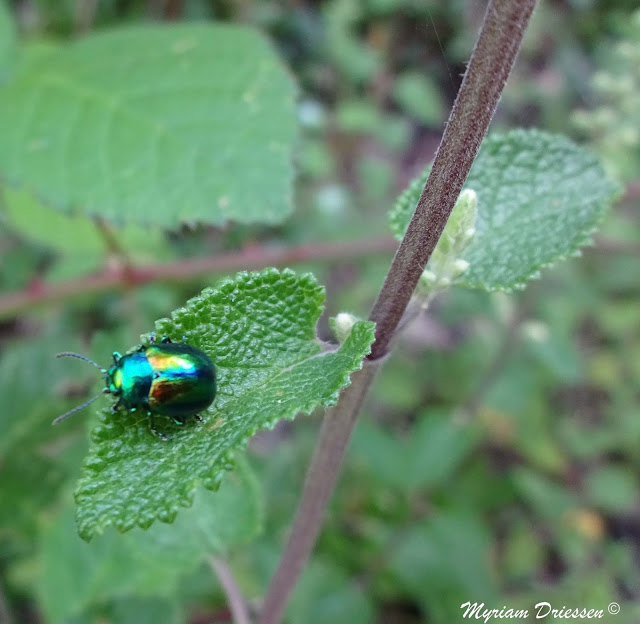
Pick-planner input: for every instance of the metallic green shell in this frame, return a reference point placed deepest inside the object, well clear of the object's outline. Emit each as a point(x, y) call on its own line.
point(172, 379)
point(184, 381)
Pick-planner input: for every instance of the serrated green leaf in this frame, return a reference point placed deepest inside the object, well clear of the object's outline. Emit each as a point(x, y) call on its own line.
point(540, 198)
point(7, 38)
point(156, 125)
point(148, 564)
point(259, 329)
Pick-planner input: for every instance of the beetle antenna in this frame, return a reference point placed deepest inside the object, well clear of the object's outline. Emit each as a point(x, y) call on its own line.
point(77, 409)
point(81, 357)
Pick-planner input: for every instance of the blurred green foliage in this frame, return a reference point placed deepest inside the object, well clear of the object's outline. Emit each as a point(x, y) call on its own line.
point(614, 124)
point(498, 457)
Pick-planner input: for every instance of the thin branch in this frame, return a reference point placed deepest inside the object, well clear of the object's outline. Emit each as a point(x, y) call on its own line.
point(112, 242)
point(484, 80)
point(321, 478)
point(490, 64)
point(12, 303)
point(232, 591)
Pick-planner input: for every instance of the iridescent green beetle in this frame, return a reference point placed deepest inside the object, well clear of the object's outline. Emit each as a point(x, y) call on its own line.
point(167, 379)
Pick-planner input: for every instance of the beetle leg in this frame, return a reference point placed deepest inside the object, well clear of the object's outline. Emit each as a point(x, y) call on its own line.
point(198, 418)
point(152, 337)
point(116, 357)
point(179, 420)
point(152, 428)
point(165, 340)
point(140, 348)
point(115, 406)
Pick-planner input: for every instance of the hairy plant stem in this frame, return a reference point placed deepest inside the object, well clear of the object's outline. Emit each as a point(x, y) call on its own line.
point(492, 59)
point(321, 478)
point(484, 80)
point(235, 600)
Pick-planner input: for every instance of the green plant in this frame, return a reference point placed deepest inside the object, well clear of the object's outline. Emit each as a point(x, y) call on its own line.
point(206, 143)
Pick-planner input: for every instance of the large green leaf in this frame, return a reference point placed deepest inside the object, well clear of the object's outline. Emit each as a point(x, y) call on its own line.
point(154, 124)
point(259, 329)
point(150, 564)
point(540, 198)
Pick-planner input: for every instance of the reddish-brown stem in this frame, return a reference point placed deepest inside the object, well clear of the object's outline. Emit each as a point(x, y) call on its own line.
point(39, 294)
point(236, 602)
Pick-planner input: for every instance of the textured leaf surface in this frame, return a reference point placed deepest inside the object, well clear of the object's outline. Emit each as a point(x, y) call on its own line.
point(259, 329)
point(540, 198)
point(150, 564)
point(155, 125)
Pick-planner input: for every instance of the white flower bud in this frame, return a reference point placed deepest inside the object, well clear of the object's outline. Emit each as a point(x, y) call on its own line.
point(342, 325)
point(459, 267)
